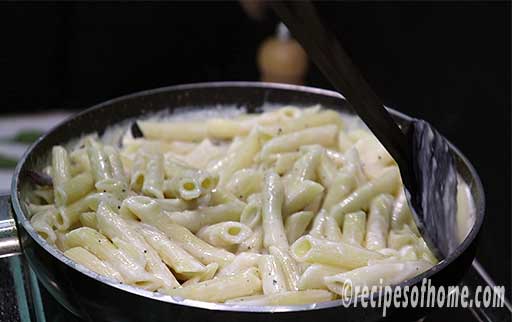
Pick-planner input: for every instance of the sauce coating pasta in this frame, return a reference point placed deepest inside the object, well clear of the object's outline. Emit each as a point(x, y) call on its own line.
point(278, 208)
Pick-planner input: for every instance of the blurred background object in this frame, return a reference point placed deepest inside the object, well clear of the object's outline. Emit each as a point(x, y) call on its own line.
point(446, 62)
point(281, 58)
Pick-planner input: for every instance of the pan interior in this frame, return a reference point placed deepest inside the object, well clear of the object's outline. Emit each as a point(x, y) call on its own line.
point(172, 100)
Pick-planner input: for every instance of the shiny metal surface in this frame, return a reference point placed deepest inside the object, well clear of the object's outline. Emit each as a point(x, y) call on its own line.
point(9, 242)
point(93, 297)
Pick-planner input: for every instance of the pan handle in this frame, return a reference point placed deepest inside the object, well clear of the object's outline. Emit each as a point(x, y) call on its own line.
point(9, 241)
point(477, 278)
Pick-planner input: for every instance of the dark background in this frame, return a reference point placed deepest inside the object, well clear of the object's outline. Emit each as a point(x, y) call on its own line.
point(446, 62)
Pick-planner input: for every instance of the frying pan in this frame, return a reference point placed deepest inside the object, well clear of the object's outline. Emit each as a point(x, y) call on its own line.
point(94, 298)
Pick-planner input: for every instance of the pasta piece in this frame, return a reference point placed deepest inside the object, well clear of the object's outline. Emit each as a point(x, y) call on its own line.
point(389, 273)
point(172, 205)
point(314, 206)
point(241, 158)
point(342, 185)
point(251, 215)
point(296, 224)
point(138, 172)
point(73, 189)
point(284, 161)
point(131, 271)
point(299, 195)
point(174, 131)
point(285, 298)
point(131, 242)
point(185, 187)
point(327, 170)
point(222, 288)
point(377, 227)
point(354, 228)
point(254, 243)
point(207, 181)
point(100, 166)
point(272, 278)
point(311, 120)
point(88, 219)
point(288, 267)
point(323, 135)
point(114, 158)
point(353, 163)
point(203, 153)
point(61, 171)
point(373, 155)
point(331, 229)
point(344, 141)
point(154, 176)
point(337, 157)
point(401, 212)
point(245, 182)
point(317, 251)
point(241, 263)
point(171, 252)
point(208, 274)
point(43, 222)
point(225, 234)
point(305, 167)
point(317, 227)
point(272, 202)
point(150, 212)
point(69, 216)
point(194, 220)
point(116, 228)
point(83, 257)
point(388, 182)
point(79, 161)
point(313, 276)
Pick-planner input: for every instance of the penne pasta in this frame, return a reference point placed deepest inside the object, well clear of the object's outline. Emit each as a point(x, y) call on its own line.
point(354, 228)
point(318, 251)
point(313, 276)
point(272, 277)
point(387, 273)
point(225, 234)
point(285, 298)
point(377, 226)
point(272, 203)
point(221, 288)
point(277, 208)
point(296, 224)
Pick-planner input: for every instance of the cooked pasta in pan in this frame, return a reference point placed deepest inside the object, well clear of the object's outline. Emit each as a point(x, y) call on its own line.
point(278, 208)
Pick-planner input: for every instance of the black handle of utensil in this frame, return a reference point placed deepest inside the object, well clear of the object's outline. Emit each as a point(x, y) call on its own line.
point(327, 53)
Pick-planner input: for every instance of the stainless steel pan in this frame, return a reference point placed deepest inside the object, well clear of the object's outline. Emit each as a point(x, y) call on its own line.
point(93, 298)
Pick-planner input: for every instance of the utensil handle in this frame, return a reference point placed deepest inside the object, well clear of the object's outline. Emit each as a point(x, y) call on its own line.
point(9, 241)
point(477, 278)
point(327, 53)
